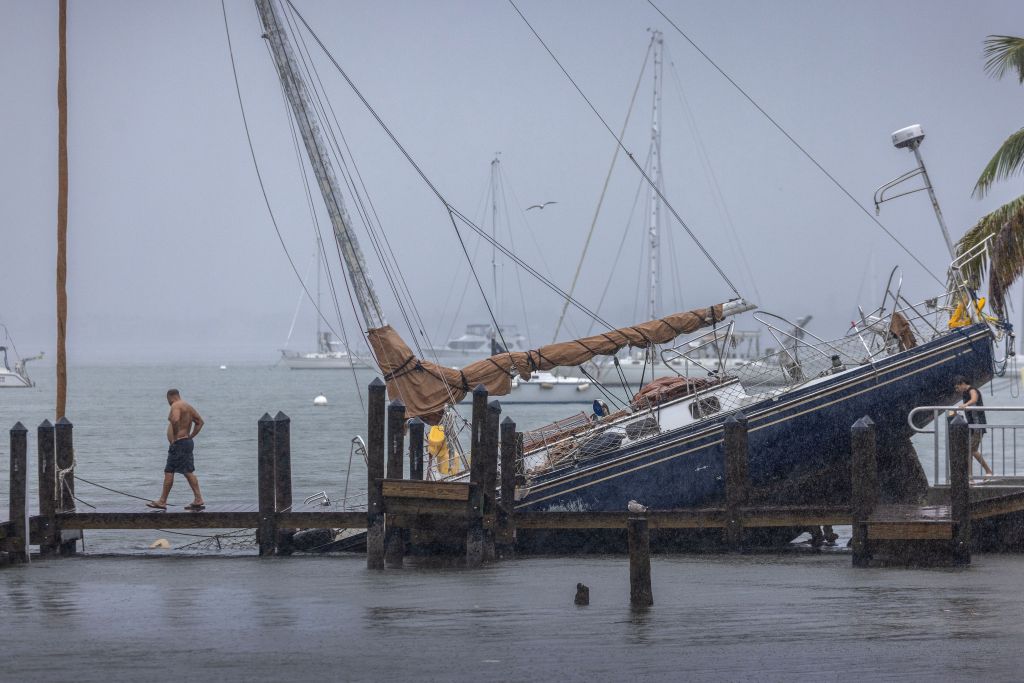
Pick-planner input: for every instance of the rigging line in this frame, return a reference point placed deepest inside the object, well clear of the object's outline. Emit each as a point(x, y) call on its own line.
point(298, 304)
point(618, 251)
point(346, 175)
point(629, 154)
point(456, 274)
point(107, 488)
point(340, 160)
point(604, 190)
point(259, 175)
point(519, 279)
point(796, 144)
point(321, 251)
point(318, 107)
point(400, 290)
point(452, 211)
point(691, 120)
point(360, 267)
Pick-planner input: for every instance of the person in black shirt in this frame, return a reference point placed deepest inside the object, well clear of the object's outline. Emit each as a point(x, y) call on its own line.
point(972, 397)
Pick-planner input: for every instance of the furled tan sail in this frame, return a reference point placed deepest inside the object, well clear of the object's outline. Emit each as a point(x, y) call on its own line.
point(426, 387)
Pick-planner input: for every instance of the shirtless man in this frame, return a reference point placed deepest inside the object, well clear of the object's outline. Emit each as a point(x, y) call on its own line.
point(184, 423)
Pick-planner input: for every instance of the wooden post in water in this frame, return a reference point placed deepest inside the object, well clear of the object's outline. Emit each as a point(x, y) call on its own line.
point(374, 474)
point(63, 433)
point(959, 489)
point(394, 537)
point(490, 479)
point(17, 549)
point(47, 472)
point(640, 594)
point(283, 478)
point(475, 532)
point(416, 449)
point(505, 531)
point(864, 494)
point(737, 478)
point(266, 530)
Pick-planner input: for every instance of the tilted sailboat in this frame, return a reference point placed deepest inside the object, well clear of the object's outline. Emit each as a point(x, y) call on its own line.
point(665, 448)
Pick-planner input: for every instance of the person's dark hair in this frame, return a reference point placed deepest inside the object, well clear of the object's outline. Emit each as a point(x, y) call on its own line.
point(173, 392)
point(960, 379)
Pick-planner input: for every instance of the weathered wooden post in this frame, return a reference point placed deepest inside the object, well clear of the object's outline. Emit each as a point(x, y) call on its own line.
point(640, 594)
point(394, 537)
point(959, 489)
point(505, 531)
point(64, 447)
point(374, 475)
point(283, 478)
point(416, 449)
point(737, 478)
point(266, 530)
point(47, 472)
point(864, 482)
point(491, 448)
point(477, 464)
point(17, 542)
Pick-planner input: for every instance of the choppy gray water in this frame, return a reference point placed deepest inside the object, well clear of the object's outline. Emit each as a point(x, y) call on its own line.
point(789, 616)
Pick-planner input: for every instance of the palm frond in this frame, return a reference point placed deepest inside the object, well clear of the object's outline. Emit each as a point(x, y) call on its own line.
point(1008, 159)
point(1006, 251)
point(1004, 53)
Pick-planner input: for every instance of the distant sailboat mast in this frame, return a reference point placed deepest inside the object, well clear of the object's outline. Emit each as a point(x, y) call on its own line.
point(309, 126)
point(655, 174)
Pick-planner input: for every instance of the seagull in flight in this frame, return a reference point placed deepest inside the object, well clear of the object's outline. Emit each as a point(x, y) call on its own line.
point(539, 206)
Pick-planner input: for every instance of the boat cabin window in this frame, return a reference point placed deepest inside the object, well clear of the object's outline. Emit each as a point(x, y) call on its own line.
point(703, 407)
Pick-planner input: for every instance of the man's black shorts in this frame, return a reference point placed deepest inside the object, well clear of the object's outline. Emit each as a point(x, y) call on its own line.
point(179, 457)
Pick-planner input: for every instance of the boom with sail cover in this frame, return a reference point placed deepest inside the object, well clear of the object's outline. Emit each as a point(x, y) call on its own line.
point(426, 387)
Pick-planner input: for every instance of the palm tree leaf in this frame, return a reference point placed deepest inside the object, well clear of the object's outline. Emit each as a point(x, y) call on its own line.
point(1006, 251)
point(1008, 159)
point(1004, 53)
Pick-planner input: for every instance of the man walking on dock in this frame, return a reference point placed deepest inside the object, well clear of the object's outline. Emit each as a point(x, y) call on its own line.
point(972, 397)
point(184, 423)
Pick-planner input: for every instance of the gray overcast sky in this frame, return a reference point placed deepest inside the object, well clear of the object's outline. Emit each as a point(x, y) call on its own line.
point(172, 255)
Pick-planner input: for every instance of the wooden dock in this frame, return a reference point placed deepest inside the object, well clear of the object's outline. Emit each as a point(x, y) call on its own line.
point(479, 516)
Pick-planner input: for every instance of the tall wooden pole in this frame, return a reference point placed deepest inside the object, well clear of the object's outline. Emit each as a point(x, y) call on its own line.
point(62, 212)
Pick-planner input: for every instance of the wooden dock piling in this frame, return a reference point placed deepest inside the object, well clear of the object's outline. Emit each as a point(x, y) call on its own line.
point(491, 446)
point(374, 475)
point(394, 537)
point(266, 530)
point(640, 594)
point(64, 447)
point(475, 513)
point(18, 539)
point(737, 478)
point(959, 489)
point(864, 481)
point(416, 427)
point(47, 473)
point(504, 534)
point(283, 479)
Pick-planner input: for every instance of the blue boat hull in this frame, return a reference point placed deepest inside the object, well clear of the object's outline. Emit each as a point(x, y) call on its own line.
point(799, 443)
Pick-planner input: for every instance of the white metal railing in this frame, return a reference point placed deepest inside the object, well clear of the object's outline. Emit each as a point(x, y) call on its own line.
point(1001, 452)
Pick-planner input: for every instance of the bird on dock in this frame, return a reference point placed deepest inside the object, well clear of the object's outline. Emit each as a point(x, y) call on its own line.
point(634, 506)
point(540, 206)
point(582, 595)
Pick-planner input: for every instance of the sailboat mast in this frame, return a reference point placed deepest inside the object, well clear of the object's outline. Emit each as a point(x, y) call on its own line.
point(494, 249)
point(652, 230)
point(309, 126)
point(319, 326)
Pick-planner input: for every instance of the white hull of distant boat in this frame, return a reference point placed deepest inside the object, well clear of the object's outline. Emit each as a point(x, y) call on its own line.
point(11, 380)
point(323, 361)
point(544, 387)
